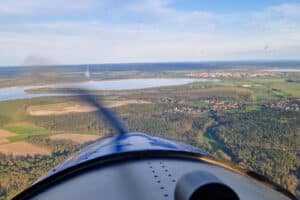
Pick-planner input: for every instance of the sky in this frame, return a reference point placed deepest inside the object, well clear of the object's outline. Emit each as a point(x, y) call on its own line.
point(122, 31)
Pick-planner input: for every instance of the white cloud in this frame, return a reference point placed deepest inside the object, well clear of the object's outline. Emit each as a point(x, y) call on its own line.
point(143, 11)
point(32, 7)
point(282, 17)
point(99, 43)
point(286, 9)
point(160, 10)
point(160, 33)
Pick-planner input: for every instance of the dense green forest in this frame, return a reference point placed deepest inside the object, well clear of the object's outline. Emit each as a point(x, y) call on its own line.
point(266, 141)
point(17, 173)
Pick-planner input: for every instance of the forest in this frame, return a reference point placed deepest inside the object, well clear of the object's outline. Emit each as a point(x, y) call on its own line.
point(266, 141)
point(19, 172)
point(255, 134)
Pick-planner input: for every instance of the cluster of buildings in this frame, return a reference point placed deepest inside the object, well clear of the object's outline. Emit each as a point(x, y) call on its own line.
point(230, 74)
point(223, 105)
point(185, 109)
point(285, 105)
point(213, 105)
point(218, 74)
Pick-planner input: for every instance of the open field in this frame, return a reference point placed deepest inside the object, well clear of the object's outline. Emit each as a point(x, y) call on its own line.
point(60, 109)
point(289, 89)
point(75, 107)
point(261, 88)
point(24, 131)
point(114, 104)
point(23, 149)
point(77, 138)
point(4, 134)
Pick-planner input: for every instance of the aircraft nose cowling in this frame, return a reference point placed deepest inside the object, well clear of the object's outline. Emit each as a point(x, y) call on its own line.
point(139, 161)
point(124, 143)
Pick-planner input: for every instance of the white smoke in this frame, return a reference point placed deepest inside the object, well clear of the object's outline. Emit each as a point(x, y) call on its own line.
point(87, 72)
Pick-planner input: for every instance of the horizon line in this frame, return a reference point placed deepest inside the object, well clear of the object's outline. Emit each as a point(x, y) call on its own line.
point(157, 62)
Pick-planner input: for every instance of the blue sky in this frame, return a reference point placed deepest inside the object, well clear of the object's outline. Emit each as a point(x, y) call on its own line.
point(114, 31)
point(228, 5)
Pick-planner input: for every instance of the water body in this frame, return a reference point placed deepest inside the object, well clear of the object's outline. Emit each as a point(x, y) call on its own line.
point(124, 84)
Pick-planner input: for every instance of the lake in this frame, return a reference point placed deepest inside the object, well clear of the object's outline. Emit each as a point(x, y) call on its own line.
point(124, 84)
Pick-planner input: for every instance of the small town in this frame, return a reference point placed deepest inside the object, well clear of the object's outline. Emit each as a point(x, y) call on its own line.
point(225, 75)
point(213, 105)
point(185, 109)
point(223, 105)
point(287, 105)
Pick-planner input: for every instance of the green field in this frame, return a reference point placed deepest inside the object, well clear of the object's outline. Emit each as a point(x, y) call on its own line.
point(23, 132)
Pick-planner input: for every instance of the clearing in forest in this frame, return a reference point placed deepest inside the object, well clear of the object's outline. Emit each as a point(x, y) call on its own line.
point(60, 109)
point(77, 138)
point(24, 131)
point(4, 134)
point(23, 149)
point(75, 107)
